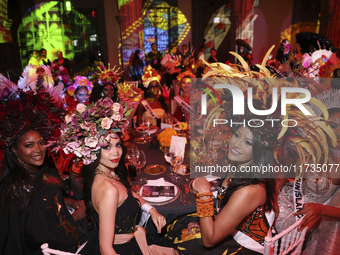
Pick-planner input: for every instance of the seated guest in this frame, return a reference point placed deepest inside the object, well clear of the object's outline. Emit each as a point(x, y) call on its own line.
point(185, 80)
point(153, 98)
point(212, 58)
point(32, 206)
point(34, 59)
point(79, 92)
point(106, 85)
point(43, 60)
point(112, 208)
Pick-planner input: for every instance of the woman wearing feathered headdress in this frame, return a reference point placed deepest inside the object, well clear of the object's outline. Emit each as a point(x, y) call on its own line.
point(32, 207)
point(247, 199)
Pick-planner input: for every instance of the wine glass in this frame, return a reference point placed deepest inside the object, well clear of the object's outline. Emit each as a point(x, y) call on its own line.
point(132, 153)
point(140, 162)
point(167, 157)
point(176, 159)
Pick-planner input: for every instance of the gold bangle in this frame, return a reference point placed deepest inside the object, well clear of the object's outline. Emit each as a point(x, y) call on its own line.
point(204, 194)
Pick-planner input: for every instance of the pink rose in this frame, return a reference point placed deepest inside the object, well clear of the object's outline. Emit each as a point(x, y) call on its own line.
point(87, 161)
point(68, 118)
point(116, 117)
point(71, 147)
point(91, 142)
point(86, 151)
point(307, 60)
point(86, 125)
point(81, 108)
point(106, 123)
point(116, 107)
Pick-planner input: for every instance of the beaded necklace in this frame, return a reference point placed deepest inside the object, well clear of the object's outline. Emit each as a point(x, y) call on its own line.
point(113, 175)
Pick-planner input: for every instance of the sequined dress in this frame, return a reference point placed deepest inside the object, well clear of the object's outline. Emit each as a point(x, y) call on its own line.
point(326, 238)
point(44, 220)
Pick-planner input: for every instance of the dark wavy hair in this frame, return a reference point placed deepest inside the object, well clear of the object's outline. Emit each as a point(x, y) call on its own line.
point(16, 184)
point(261, 156)
point(88, 173)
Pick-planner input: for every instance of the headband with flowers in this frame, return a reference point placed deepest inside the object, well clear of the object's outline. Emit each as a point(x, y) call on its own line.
point(81, 81)
point(90, 128)
point(109, 75)
point(150, 75)
point(186, 74)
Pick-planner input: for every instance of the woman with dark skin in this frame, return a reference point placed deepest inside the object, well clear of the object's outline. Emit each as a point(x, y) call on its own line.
point(32, 204)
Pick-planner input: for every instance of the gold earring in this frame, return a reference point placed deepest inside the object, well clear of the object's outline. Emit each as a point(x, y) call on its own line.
point(21, 161)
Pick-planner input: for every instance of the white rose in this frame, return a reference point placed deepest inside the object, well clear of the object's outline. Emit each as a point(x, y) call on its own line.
point(78, 152)
point(81, 108)
point(91, 142)
point(106, 123)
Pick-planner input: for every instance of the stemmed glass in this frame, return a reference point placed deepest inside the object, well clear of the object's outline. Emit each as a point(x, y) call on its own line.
point(176, 159)
point(139, 163)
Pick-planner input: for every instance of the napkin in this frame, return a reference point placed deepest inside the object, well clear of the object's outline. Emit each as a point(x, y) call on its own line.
point(178, 144)
point(164, 126)
point(158, 182)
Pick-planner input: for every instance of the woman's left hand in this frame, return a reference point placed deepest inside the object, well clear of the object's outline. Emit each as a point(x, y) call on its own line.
point(157, 219)
point(202, 185)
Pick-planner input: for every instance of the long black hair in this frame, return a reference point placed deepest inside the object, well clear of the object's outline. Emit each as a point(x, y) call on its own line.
point(261, 156)
point(16, 183)
point(88, 173)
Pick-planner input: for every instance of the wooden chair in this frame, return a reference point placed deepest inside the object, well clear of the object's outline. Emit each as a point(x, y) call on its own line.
point(48, 251)
point(289, 241)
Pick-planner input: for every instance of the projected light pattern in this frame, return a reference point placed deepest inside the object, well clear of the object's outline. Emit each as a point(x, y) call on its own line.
point(48, 26)
point(156, 26)
point(5, 23)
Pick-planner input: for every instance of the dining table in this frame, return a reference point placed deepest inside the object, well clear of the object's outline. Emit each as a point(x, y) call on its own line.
point(175, 207)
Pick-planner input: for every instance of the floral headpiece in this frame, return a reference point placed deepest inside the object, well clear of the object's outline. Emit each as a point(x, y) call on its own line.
point(29, 105)
point(81, 81)
point(318, 62)
point(150, 75)
point(307, 140)
point(185, 74)
point(90, 128)
point(109, 75)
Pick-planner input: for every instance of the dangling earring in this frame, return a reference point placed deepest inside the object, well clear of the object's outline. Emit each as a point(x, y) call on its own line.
point(21, 161)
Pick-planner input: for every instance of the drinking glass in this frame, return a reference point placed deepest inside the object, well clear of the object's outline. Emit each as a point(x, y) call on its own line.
point(176, 159)
point(140, 162)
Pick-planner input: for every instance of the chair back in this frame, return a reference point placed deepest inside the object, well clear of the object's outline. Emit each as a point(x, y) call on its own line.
point(133, 83)
point(289, 241)
point(48, 251)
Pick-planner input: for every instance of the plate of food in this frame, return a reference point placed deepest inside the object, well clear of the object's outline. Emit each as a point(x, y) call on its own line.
point(155, 169)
